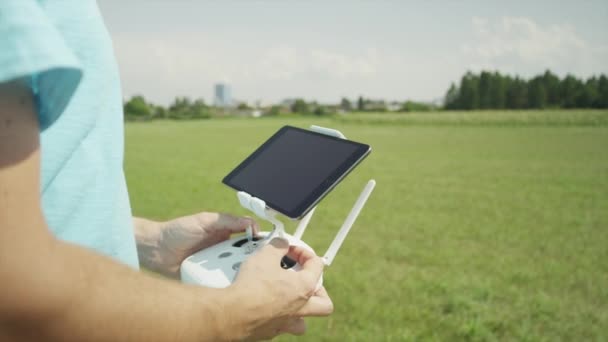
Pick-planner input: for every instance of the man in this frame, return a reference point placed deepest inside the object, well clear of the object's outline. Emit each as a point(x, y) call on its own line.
point(69, 248)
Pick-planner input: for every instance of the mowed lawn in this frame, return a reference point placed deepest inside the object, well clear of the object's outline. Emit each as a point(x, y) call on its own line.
point(477, 230)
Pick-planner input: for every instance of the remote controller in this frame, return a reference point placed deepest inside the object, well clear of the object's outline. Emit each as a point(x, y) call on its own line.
point(218, 265)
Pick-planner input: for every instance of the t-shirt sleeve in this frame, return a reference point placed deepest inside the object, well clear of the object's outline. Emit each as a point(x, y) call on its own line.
point(33, 49)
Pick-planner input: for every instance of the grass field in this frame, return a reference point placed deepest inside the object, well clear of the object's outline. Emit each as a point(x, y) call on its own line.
point(483, 226)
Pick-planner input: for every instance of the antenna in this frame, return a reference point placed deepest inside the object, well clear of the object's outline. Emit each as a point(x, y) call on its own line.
point(348, 223)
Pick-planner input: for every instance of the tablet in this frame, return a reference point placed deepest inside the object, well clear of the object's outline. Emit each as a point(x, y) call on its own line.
point(294, 169)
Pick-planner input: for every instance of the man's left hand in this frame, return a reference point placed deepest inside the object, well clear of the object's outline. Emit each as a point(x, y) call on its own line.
point(162, 246)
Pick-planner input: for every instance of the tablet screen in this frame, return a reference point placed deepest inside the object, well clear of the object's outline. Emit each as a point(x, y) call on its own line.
point(295, 168)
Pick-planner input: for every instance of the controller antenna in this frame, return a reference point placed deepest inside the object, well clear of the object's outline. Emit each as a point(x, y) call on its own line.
point(348, 223)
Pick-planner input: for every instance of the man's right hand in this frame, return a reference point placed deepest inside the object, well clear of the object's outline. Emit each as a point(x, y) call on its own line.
point(273, 299)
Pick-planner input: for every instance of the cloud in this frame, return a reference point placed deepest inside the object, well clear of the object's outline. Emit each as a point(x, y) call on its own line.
point(163, 65)
point(520, 45)
point(185, 64)
point(339, 65)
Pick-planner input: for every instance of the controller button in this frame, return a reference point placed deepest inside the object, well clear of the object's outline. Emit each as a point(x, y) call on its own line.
point(287, 263)
point(236, 266)
point(244, 241)
point(224, 255)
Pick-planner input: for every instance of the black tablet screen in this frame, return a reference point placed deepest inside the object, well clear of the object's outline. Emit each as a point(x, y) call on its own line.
point(295, 167)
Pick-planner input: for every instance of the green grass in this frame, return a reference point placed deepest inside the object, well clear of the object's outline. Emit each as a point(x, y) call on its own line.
point(479, 229)
point(576, 117)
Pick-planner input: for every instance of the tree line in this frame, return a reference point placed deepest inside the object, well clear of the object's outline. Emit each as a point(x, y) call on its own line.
point(485, 90)
point(137, 108)
point(491, 90)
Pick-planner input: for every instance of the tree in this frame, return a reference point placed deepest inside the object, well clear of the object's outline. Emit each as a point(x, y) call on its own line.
point(412, 106)
point(300, 106)
point(589, 94)
point(199, 109)
point(537, 95)
point(360, 104)
point(602, 92)
point(517, 94)
point(179, 104)
point(345, 105)
point(469, 92)
point(485, 83)
point(137, 107)
point(274, 110)
point(569, 91)
point(551, 85)
point(184, 108)
point(492, 90)
point(159, 112)
point(497, 91)
point(243, 106)
point(320, 110)
point(451, 98)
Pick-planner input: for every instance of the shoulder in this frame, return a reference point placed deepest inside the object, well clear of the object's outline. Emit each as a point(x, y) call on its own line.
point(34, 50)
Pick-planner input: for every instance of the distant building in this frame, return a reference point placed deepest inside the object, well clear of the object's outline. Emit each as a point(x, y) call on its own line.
point(393, 106)
point(287, 103)
point(375, 105)
point(223, 97)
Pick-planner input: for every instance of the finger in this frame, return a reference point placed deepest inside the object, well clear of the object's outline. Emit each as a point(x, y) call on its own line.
point(300, 254)
point(233, 224)
point(255, 226)
point(318, 305)
point(312, 266)
point(296, 327)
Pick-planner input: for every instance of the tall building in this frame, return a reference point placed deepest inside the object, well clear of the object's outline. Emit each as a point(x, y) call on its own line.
point(223, 98)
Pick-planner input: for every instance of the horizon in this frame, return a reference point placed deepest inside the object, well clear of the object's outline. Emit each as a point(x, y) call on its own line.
point(325, 51)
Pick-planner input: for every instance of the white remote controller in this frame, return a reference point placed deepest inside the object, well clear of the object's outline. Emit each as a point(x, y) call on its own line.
point(218, 266)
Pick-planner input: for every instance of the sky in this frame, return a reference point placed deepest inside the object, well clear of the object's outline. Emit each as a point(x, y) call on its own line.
point(324, 50)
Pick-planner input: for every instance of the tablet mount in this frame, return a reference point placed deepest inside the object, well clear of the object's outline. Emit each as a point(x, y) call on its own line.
point(217, 266)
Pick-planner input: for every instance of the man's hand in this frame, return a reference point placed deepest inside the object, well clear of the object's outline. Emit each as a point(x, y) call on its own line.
point(162, 246)
point(268, 300)
point(275, 299)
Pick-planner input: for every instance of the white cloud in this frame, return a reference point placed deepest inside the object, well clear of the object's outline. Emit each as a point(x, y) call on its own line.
point(343, 66)
point(161, 66)
point(185, 64)
point(520, 45)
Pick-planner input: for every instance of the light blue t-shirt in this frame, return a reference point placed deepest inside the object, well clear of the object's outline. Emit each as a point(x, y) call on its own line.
point(63, 50)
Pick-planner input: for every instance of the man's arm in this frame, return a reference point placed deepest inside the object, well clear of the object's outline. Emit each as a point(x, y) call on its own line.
point(55, 290)
point(52, 290)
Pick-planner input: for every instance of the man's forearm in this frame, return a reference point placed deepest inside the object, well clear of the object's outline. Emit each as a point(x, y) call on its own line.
point(90, 297)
